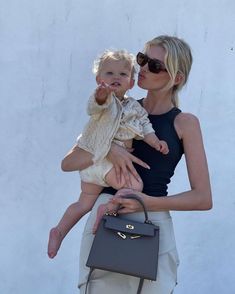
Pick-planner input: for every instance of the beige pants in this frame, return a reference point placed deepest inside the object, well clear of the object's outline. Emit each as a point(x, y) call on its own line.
point(103, 282)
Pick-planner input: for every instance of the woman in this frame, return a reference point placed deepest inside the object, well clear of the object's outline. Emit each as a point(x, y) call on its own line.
point(164, 68)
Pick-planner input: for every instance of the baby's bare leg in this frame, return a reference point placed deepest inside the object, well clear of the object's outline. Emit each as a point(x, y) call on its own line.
point(112, 181)
point(72, 215)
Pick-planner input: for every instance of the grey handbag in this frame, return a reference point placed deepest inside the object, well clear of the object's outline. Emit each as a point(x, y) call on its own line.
point(126, 246)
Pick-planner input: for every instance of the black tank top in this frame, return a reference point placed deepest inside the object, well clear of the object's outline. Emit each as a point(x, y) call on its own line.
point(162, 166)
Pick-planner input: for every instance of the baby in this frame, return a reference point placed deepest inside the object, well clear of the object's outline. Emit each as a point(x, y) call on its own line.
point(114, 118)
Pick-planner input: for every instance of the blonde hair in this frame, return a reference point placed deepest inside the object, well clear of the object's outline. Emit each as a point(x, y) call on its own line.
point(178, 60)
point(120, 55)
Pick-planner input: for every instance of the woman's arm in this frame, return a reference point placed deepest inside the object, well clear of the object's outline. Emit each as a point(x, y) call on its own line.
point(79, 159)
point(76, 159)
point(199, 196)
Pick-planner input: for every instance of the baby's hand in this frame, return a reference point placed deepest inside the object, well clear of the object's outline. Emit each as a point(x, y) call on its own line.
point(162, 147)
point(102, 92)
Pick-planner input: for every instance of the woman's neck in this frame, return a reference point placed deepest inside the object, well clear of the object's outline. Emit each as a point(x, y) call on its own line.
point(156, 103)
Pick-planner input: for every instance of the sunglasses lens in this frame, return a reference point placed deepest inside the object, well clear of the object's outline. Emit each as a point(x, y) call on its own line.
point(141, 59)
point(154, 66)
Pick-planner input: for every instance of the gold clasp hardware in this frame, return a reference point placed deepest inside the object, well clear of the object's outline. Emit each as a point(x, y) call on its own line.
point(135, 237)
point(123, 236)
point(130, 227)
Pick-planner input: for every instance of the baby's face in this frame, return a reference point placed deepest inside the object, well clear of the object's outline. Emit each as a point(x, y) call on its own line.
point(118, 74)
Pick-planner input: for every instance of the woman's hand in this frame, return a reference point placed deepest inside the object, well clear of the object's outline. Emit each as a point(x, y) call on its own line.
point(128, 205)
point(122, 161)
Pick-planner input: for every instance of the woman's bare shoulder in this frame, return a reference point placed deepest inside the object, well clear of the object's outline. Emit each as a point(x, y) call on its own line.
point(186, 117)
point(186, 122)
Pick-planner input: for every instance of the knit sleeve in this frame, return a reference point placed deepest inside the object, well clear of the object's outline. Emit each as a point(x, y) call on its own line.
point(94, 108)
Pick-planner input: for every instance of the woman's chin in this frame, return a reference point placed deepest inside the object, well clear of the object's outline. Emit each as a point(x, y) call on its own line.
point(140, 84)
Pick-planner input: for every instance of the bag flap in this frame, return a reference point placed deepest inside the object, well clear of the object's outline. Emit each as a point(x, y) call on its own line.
point(129, 226)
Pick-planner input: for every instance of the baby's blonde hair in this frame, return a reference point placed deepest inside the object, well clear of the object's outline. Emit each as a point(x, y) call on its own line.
point(122, 55)
point(178, 60)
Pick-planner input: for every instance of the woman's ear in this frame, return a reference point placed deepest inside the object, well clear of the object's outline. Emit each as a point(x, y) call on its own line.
point(179, 78)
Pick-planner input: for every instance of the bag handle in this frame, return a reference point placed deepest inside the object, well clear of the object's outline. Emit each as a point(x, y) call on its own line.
point(137, 198)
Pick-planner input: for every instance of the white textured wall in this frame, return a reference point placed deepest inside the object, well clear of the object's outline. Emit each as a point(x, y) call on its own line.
point(46, 51)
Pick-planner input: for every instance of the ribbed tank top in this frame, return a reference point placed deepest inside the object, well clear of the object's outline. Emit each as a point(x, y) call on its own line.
point(162, 167)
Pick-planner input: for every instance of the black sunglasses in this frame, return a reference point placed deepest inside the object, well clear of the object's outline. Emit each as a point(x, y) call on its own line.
point(154, 65)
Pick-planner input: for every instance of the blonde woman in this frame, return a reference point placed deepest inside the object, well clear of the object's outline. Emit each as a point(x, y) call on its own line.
point(165, 64)
point(114, 117)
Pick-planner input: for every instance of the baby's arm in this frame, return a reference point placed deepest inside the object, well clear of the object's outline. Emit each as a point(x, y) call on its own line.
point(100, 100)
point(149, 134)
point(102, 92)
point(160, 145)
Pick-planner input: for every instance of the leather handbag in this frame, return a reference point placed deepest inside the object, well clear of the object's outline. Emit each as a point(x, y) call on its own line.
point(126, 246)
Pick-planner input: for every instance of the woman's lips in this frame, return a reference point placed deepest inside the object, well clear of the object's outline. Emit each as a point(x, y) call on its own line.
point(141, 76)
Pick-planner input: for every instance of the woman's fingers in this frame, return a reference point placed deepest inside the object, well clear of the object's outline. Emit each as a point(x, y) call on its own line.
point(132, 170)
point(139, 161)
point(127, 205)
point(127, 168)
point(126, 174)
point(124, 210)
point(118, 172)
point(122, 161)
point(125, 191)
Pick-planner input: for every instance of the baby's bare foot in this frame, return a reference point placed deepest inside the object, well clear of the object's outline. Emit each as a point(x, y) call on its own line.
point(109, 208)
point(55, 239)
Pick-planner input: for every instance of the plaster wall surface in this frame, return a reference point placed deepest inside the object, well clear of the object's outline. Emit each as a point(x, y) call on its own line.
point(46, 54)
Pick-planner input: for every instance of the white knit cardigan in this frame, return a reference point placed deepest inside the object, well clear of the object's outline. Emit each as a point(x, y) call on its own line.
point(115, 119)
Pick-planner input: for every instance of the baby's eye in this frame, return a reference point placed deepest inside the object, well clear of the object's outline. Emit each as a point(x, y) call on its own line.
point(123, 74)
point(109, 73)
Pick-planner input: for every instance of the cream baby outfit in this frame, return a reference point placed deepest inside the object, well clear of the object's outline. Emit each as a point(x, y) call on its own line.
point(114, 121)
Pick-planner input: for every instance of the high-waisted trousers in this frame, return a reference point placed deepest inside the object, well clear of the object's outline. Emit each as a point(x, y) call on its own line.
point(103, 282)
